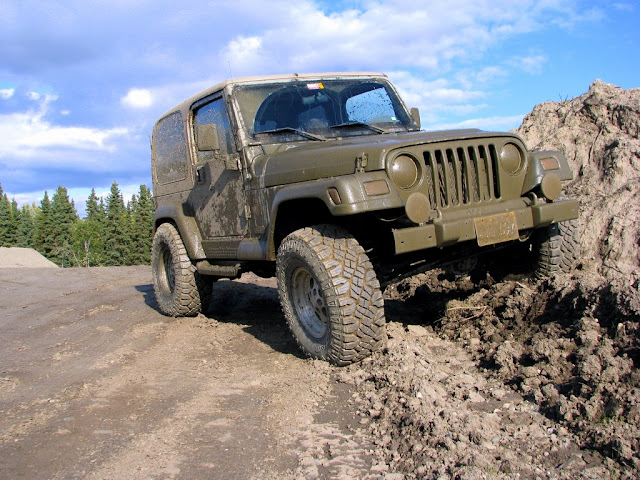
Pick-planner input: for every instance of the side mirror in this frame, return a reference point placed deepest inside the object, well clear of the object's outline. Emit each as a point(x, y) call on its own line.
point(207, 137)
point(415, 113)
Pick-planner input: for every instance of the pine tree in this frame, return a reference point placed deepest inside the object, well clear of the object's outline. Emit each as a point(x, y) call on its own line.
point(114, 234)
point(13, 224)
point(63, 223)
point(42, 234)
point(89, 233)
point(95, 208)
point(24, 235)
point(7, 227)
point(142, 210)
point(117, 239)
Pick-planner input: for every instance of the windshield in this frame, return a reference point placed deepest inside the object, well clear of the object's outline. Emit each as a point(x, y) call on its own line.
point(281, 112)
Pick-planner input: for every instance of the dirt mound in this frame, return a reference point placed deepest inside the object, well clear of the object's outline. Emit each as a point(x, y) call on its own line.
point(599, 133)
point(16, 257)
point(505, 378)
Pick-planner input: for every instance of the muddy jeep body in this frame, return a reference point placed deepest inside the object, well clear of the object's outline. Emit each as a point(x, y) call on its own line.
point(328, 182)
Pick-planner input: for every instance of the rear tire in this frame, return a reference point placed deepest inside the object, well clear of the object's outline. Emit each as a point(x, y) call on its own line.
point(330, 295)
point(180, 290)
point(558, 249)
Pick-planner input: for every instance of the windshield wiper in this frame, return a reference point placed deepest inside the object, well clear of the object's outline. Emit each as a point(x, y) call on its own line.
point(361, 124)
point(302, 133)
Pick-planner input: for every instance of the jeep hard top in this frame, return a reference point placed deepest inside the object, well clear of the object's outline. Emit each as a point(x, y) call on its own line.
point(327, 182)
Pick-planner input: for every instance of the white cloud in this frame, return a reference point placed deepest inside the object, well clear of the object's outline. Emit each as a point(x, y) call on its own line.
point(243, 51)
point(412, 36)
point(490, 74)
point(138, 98)
point(624, 6)
point(7, 93)
point(24, 134)
point(499, 124)
point(35, 96)
point(440, 90)
point(29, 135)
point(437, 97)
point(531, 64)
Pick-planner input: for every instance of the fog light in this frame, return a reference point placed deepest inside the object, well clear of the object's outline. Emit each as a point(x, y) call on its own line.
point(551, 186)
point(418, 208)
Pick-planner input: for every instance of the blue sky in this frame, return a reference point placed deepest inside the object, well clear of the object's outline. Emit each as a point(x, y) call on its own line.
point(82, 82)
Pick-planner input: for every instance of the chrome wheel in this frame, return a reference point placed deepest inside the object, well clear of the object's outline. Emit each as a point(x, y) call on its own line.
point(309, 303)
point(168, 276)
point(330, 295)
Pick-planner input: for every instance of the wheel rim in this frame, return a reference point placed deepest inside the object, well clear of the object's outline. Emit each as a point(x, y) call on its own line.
point(167, 273)
point(309, 303)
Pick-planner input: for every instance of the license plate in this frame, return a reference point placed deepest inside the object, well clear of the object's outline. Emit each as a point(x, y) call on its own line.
point(496, 228)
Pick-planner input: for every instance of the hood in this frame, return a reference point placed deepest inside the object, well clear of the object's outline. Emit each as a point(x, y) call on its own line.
point(310, 160)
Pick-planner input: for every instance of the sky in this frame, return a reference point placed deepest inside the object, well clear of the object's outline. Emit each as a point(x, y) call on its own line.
point(82, 82)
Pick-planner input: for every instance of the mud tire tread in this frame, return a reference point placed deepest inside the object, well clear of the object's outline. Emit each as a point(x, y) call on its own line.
point(350, 286)
point(191, 291)
point(559, 249)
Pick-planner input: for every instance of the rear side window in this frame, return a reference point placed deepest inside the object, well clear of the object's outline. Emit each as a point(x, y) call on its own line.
point(170, 155)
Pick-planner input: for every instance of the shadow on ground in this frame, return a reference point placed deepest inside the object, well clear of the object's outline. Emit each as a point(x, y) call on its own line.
point(254, 307)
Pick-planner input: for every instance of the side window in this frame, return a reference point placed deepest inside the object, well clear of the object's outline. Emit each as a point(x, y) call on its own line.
point(373, 106)
point(170, 155)
point(215, 112)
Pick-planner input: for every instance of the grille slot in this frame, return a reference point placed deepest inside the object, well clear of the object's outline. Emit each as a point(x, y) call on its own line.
point(461, 176)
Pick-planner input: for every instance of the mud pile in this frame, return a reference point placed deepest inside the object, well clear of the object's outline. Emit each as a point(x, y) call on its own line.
point(599, 133)
point(17, 257)
point(506, 378)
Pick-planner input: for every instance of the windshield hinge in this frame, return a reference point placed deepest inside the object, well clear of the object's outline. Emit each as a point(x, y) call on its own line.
point(361, 162)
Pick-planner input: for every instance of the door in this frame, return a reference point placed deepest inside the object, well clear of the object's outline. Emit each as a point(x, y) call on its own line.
point(218, 199)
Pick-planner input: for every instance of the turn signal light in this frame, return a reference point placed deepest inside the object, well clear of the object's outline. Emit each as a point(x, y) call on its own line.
point(334, 195)
point(376, 187)
point(550, 163)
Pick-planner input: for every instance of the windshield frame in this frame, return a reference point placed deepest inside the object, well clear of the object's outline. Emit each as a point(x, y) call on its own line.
point(329, 97)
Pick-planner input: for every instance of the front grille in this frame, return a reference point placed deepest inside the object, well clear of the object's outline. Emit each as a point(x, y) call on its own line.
point(461, 176)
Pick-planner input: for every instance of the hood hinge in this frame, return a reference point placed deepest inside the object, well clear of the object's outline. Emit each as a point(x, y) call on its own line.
point(361, 162)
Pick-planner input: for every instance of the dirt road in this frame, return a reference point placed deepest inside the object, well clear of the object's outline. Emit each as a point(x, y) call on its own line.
point(475, 383)
point(95, 383)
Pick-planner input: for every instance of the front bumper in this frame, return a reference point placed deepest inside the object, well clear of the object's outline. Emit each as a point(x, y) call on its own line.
point(450, 230)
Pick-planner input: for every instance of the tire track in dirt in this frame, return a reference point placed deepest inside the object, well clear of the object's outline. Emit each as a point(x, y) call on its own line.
point(109, 388)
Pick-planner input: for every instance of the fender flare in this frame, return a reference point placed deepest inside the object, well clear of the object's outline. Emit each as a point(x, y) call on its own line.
point(187, 227)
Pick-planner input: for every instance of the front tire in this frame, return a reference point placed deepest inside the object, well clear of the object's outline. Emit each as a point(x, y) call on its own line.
point(330, 294)
point(180, 290)
point(558, 249)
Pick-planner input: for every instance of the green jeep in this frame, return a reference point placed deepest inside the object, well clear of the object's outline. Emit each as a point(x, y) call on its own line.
point(327, 182)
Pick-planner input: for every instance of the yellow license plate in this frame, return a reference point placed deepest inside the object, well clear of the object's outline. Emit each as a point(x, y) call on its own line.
point(496, 228)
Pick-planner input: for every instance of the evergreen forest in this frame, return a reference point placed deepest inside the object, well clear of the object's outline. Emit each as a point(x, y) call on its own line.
point(110, 234)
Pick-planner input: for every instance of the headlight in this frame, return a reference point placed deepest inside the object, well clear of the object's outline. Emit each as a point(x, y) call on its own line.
point(405, 171)
point(511, 159)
